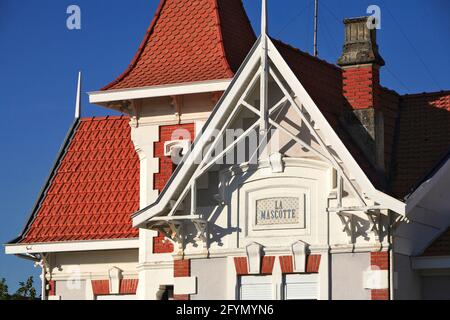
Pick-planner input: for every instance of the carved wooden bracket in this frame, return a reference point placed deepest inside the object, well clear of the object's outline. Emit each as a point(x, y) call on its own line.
point(202, 231)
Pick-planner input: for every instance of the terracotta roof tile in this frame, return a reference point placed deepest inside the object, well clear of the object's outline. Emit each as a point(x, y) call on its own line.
point(423, 138)
point(189, 41)
point(94, 189)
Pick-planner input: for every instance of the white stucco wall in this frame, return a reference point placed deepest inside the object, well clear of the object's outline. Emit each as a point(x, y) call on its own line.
point(347, 276)
point(211, 278)
point(74, 271)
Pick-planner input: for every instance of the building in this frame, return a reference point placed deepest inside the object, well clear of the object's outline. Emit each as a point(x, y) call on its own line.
point(299, 179)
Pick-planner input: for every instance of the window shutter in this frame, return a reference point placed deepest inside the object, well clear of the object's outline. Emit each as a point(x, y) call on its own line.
point(256, 288)
point(301, 287)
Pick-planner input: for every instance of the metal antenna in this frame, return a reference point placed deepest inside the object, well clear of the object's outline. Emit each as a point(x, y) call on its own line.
point(78, 102)
point(264, 89)
point(316, 26)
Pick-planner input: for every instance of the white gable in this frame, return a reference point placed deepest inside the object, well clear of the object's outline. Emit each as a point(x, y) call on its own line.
point(238, 98)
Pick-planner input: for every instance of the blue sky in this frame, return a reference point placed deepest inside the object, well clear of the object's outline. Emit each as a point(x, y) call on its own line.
point(39, 59)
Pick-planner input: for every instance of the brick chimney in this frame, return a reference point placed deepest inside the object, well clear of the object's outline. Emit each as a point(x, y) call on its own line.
point(361, 62)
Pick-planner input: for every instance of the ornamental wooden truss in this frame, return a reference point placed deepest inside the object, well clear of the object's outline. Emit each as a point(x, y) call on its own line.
point(265, 67)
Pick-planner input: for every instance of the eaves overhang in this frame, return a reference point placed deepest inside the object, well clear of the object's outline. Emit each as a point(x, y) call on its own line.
point(111, 96)
point(71, 246)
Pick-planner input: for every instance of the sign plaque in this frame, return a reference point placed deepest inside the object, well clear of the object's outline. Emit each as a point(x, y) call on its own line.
point(279, 211)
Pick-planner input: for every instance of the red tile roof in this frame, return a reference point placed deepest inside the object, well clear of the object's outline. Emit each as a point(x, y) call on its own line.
point(189, 41)
point(420, 137)
point(423, 138)
point(94, 188)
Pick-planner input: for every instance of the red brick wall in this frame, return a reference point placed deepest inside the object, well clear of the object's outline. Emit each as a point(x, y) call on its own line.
point(161, 244)
point(362, 89)
point(181, 269)
point(312, 264)
point(166, 169)
point(267, 265)
point(128, 286)
point(361, 85)
point(380, 294)
point(287, 264)
point(380, 260)
point(240, 263)
point(100, 287)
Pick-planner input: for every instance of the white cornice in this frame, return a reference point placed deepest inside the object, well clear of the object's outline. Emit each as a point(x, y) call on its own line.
point(64, 276)
point(108, 96)
point(73, 246)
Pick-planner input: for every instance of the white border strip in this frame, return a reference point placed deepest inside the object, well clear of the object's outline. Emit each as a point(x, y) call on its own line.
point(158, 91)
point(72, 246)
point(421, 263)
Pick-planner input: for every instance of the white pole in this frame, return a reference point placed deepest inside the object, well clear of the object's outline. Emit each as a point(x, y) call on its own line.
point(43, 265)
point(78, 102)
point(264, 18)
point(264, 71)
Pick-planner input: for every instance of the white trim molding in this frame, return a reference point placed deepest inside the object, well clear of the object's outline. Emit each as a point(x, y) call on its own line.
point(72, 246)
point(423, 263)
point(105, 97)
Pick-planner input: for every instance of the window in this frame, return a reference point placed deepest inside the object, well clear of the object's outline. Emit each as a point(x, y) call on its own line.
point(256, 288)
point(165, 293)
point(301, 287)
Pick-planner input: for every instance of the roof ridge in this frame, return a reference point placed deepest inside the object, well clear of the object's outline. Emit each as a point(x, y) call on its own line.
point(221, 42)
point(389, 90)
point(424, 94)
point(306, 54)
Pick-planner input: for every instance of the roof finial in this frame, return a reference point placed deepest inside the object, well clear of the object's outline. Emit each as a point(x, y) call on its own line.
point(264, 89)
point(264, 18)
point(78, 102)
